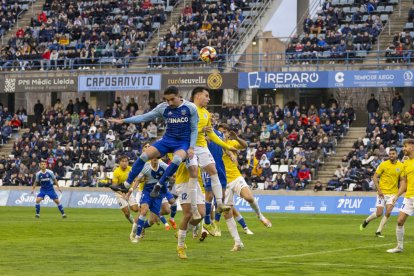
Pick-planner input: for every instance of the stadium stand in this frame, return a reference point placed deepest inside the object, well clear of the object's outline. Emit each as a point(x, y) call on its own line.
point(289, 143)
point(341, 30)
point(79, 35)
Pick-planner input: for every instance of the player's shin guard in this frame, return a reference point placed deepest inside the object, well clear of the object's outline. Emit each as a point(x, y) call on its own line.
point(141, 222)
point(130, 218)
point(173, 210)
point(207, 217)
point(231, 225)
point(371, 217)
point(241, 221)
point(37, 208)
point(60, 207)
point(136, 168)
point(217, 189)
point(400, 236)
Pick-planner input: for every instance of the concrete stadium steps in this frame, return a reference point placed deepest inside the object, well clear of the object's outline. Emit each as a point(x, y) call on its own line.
point(171, 19)
point(344, 147)
point(395, 24)
point(7, 149)
point(24, 20)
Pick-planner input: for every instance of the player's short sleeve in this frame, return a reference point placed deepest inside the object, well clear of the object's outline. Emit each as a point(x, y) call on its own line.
point(52, 175)
point(403, 174)
point(235, 144)
point(37, 179)
point(146, 169)
point(380, 169)
point(163, 165)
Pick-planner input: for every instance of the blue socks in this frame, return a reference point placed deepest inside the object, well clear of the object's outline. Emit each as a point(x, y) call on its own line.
point(207, 219)
point(241, 221)
point(140, 225)
point(163, 220)
point(217, 216)
point(37, 209)
point(170, 171)
point(173, 210)
point(60, 207)
point(135, 170)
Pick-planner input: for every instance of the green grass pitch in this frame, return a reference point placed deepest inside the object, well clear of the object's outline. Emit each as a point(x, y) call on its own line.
point(95, 242)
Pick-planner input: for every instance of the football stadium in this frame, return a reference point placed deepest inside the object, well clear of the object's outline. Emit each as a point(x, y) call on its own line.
point(226, 137)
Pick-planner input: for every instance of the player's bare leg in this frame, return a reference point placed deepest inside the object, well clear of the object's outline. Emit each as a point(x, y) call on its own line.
point(216, 187)
point(247, 195)
point(371, 217)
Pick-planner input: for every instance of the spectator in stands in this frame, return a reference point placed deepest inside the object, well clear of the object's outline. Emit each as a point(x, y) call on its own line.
point(372, 106)
point(397, 104)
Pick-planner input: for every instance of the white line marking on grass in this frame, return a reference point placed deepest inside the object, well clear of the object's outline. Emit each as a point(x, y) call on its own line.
point(342, 265)
point(321, 252)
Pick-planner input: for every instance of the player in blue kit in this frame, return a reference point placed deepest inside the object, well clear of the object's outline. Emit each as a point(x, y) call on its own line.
point(181, 119)
point(46, 178)
point(217, 153)
point(151, 173)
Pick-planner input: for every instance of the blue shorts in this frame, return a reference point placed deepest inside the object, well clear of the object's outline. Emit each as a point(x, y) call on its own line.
point(50, 193)
point(170, 145)
point(154, 203)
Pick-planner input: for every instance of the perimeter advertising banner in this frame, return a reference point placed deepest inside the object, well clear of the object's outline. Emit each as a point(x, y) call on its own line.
point(215, 80)
point(14, 84)
point(327, 79)
point(267, 203)
point(134, 82)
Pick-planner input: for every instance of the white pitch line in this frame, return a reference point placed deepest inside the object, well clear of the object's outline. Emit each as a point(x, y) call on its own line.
point(320, 252)
point(341, 265)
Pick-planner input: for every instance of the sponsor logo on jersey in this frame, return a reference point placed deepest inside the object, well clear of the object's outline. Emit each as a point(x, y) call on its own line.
point(177, 120)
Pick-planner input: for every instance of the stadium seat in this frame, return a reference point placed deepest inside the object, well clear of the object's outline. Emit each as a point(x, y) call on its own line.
point(296, 150)
point(61, 183)
point(274, 177)
point(68, 175)
point(283, 168)
point(409, 25)
point(95, 165)
point(384, 17)
point(85, 166)
point(68, 183)
point(351, 187)
point(260, 186)
point(389, 9)
point(80, 165)
point(275, 168)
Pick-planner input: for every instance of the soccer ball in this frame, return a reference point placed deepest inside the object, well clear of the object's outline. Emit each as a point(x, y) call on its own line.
point(208, 54)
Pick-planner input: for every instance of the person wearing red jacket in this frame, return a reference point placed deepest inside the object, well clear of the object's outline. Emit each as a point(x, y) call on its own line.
point(304, 177)
point(20, 33)
point(42, 17)
point(146, 5)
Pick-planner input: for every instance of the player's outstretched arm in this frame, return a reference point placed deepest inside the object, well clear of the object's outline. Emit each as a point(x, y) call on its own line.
point(242, 143)
point(149, 116)
point(214, 138)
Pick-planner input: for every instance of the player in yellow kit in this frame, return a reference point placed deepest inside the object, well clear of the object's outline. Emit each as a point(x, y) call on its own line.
point(188, 222)
point(202, 156)
point(407, 187)
point(119, 176)
point(388, 173)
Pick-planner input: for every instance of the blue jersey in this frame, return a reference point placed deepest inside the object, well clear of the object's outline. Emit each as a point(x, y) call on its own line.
point(152, 176)
point(181, 122)
point(45, 179)
point(217, 153)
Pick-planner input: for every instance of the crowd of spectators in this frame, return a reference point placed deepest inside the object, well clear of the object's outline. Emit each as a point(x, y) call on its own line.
point(384, 131)
point(10, 11)
point(400, 50)
point(298, 138)
point(340, 31)
point(201, 24)
point(83, 34)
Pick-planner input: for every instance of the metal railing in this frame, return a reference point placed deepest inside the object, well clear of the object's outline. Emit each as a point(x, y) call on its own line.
point(272, 61)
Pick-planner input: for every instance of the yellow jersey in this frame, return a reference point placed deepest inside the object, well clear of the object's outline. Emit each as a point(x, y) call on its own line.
point(232, 171)
point(120, 175)
point(182, 175)
point(408, 172)
point(389, 174)
point(204, 120)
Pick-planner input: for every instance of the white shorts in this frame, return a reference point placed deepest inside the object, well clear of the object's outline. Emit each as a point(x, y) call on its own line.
point(183, 192)
point(124, 203)
point(387, 200)
point(202, 157)
point(233, 188)
point(408, 206)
